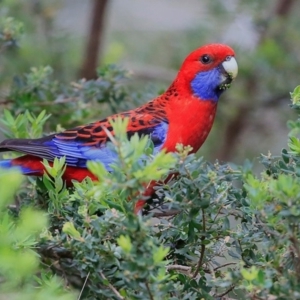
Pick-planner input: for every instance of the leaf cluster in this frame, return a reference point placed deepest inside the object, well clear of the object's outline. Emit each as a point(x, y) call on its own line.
point(81, 101)
point(20, 274)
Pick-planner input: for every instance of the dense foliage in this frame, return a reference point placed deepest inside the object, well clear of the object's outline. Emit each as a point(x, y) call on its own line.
point(225, 230)
point(216, 230)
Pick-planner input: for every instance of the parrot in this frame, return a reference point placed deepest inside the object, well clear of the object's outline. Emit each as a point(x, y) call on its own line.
point(184, 114)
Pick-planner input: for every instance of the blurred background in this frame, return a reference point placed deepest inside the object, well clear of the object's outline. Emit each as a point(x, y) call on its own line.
point(151, 39)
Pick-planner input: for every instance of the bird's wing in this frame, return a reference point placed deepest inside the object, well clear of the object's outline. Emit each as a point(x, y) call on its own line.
point(89, 142)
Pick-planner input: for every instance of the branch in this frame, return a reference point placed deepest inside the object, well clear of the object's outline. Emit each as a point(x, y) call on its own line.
point(112, 288)
point(4, 102)
point(55, 251)
point(295, 244)
point(90, 62)
point(166, 213)
point(225, 265)
point(149, 292)
point(182, 269)
point(202, 247)
point(284, 7)
point(225, 293)
point(238, 123)
point(84, 284)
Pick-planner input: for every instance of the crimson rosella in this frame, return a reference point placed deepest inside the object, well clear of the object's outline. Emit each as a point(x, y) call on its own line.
point(183, 114)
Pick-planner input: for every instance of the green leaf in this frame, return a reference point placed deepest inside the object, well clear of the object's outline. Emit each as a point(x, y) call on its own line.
point(125, 243)
point(250, 274)
point(295, 95)
point(70, 229)
point(285, 156)
point(294, 144)
point(10, 180)
point(160, 254)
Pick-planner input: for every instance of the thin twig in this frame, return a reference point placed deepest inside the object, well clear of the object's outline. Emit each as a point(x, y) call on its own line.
point(210, 271)
point(296, 248)
point(225, 293)
point(218, 212)
point(166, 213)
point(255, 297)
point(84, 284)
point(202, 247)
point(225, 265)
point(267, 230)
point(113, 289)
point(5, 102)
point(149, 292)
point(166, 226)
point(182, 269)
point(200, 259)
point(109, 135)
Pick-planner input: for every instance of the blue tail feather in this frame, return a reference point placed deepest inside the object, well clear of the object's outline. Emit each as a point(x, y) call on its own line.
point(6, 164)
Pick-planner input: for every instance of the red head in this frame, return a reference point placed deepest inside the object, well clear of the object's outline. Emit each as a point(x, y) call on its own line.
point(207, 71)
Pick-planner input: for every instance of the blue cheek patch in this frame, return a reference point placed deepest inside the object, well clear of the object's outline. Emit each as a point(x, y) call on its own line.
point(205, 85)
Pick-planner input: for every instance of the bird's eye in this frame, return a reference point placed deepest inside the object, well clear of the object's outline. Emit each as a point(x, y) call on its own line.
point(205, 59)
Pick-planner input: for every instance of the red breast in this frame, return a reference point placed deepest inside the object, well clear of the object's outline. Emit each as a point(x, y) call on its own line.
point(190, 124)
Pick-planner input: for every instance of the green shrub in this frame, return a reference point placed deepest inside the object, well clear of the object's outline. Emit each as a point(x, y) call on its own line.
point(225, 229)
point(20, 273)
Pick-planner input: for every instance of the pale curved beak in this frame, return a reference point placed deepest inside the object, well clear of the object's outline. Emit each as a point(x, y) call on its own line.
point(230, 66)
point(229, 71)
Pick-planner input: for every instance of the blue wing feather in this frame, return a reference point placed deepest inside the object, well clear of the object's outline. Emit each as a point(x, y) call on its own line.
point(82, 144)
point(77, 153)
